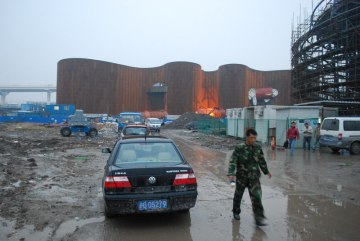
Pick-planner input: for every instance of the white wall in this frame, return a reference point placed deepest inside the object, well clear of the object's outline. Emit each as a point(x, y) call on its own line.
point(235, 126)
point(300, 114)
point(262, 118)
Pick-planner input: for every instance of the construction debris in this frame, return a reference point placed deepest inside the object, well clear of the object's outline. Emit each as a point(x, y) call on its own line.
point(185, 119)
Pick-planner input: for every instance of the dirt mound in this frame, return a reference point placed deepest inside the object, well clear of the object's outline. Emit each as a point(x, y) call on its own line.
point(186, 118)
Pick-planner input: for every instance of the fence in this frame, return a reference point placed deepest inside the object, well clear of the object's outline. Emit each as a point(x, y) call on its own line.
point(212, 126)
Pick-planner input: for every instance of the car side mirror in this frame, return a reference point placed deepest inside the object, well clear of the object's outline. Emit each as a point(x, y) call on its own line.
point(106, 150)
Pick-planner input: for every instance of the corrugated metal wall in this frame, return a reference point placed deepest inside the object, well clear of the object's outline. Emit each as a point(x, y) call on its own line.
point(102, 87)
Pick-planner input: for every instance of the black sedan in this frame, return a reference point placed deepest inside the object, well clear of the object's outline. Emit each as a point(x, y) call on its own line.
point(130, 131)
point(145, 175)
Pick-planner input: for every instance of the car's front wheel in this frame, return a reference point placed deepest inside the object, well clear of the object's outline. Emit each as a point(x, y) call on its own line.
point(355, 148)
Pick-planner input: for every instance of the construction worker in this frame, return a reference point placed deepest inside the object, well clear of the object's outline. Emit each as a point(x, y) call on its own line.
point(247, 159)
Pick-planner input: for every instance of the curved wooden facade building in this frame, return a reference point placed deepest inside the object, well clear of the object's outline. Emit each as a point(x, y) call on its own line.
point(177, 87)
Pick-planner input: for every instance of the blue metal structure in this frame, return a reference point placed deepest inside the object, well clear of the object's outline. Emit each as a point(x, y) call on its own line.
point(40, 113)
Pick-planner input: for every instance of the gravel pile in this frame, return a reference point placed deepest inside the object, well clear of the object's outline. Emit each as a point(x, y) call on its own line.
point(185, 118)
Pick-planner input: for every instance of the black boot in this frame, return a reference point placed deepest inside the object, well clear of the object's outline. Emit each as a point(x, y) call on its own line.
point(260, 221)
point(236, 216)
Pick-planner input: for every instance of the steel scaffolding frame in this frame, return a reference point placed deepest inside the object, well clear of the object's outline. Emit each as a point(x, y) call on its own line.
point(325, 54)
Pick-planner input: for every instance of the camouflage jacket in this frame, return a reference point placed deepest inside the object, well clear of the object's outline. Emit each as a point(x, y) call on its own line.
point(247, 160)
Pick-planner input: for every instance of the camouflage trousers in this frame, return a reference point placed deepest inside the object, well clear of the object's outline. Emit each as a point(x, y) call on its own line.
point(253, 185)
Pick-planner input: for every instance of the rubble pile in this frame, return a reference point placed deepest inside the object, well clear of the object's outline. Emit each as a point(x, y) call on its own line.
point(214, 142)
point(107, 128)
point(185, 119)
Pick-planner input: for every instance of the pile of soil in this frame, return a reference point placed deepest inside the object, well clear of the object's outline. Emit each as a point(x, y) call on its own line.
point(185, 119)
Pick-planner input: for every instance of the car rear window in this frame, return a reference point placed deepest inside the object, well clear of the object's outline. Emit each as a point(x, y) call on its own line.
point(147, 152)
point(351, 125)
point(155, 121)
point(135, 131)
point(330, 125)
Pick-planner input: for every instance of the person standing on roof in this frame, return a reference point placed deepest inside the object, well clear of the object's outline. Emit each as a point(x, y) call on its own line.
point(292, 135)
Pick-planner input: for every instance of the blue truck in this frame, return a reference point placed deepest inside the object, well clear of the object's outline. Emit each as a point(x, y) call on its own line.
point(126, 118)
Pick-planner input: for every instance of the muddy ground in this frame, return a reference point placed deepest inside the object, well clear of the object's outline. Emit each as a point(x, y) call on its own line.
point(50, 189)
point(46, 179)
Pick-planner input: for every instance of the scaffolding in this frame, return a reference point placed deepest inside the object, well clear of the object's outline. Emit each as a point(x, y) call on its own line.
point(325, 55)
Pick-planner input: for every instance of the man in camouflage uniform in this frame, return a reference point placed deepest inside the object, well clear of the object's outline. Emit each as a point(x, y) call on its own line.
point(246, 159)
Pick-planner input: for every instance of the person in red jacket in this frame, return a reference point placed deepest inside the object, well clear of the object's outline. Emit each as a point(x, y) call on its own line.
point(292, 135)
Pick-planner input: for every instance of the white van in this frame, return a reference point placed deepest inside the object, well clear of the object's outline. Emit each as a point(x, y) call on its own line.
point(341, 133)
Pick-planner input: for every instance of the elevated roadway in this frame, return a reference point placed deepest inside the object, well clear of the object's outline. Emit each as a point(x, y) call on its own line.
point(7, 89)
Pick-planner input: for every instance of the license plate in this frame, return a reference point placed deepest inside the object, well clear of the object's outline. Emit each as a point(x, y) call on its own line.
point(152, 204)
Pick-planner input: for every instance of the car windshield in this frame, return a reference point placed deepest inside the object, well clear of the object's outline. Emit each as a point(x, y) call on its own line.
point(135, 131)
point(148, 152)
point(130, 119)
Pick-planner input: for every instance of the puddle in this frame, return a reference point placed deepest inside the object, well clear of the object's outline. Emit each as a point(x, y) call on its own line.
point(303, 201)
point(71, 226)
point(53, 193)
point(27, 233)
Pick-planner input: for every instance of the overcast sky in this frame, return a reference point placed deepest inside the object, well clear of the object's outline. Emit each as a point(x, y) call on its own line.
point(36, 34)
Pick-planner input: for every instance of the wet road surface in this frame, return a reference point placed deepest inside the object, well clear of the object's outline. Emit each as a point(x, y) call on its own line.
point(295, 206)
point(312, 196)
